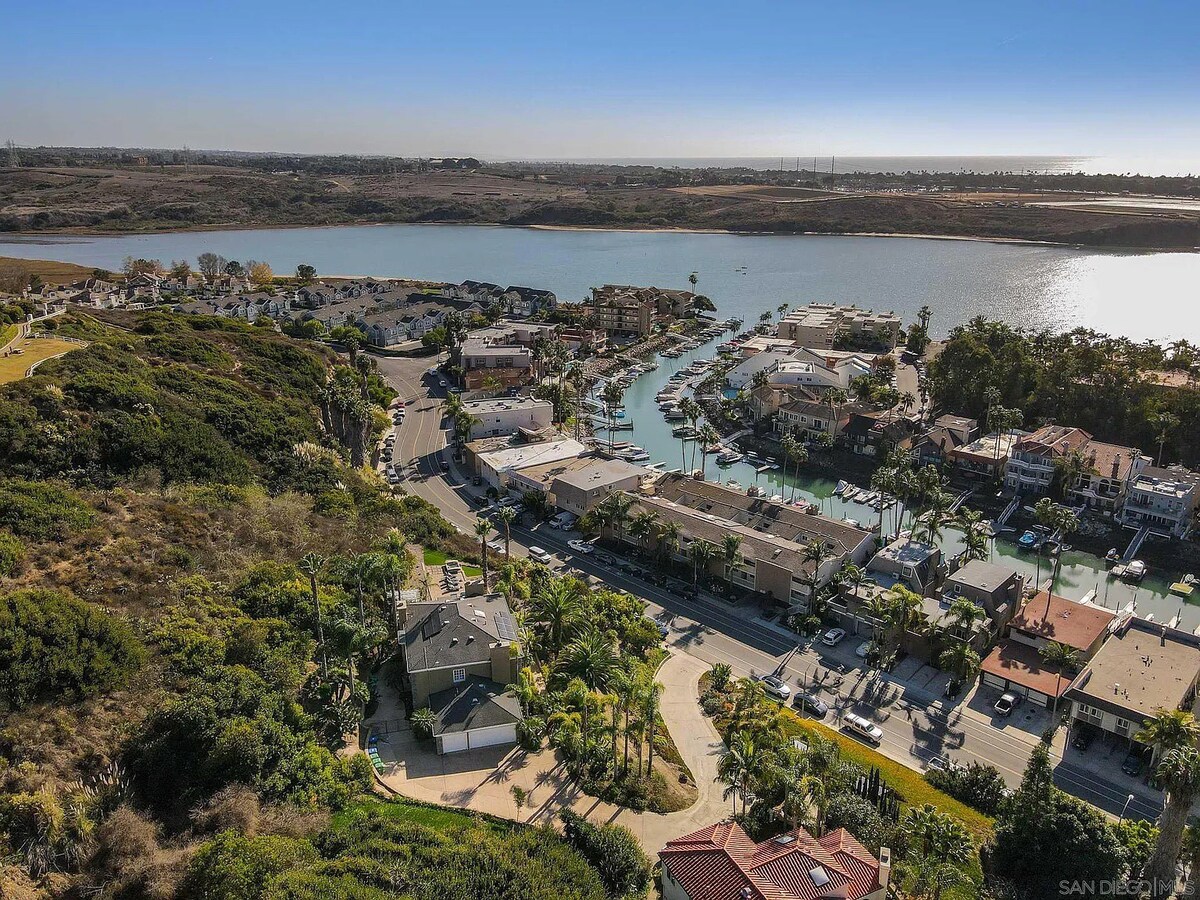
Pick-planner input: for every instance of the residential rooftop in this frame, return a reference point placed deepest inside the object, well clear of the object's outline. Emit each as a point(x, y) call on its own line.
point(1064, 621)
point(522, 455)
point(983, 576)
point(1142, 668)
point(504, 404)
point(456, 632)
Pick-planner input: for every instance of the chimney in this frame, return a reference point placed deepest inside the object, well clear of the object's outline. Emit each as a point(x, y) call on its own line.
point(1116, 467)
point(885, 868)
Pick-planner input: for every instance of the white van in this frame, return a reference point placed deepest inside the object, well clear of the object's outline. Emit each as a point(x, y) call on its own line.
point(540, 555)
point(564, 520)
point(862, 726)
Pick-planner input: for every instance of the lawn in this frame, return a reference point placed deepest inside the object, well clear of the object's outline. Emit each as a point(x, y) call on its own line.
point(913, 789)
point(439, 557)
point(13, 368)
point(437, 817)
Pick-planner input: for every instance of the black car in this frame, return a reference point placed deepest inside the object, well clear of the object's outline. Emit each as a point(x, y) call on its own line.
point(1134, 762)
point(811, 704)
point(1084, 735)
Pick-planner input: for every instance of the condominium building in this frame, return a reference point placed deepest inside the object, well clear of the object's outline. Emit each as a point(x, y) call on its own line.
point(818, 325)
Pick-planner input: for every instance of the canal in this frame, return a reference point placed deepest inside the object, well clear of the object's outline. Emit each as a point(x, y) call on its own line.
point(1080, 574)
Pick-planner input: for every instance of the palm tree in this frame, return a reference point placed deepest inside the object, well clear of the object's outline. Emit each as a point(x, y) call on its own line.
point(641, 526)
point(702, 553)
point(591, 659)
point(577, 378)
point(708, 436)
point(668, 538)
point(964, 613)
point(363, 570)
point(1063, 657)
point(1166, 423)
point(815, 553)
point(1179, 773)
point(482, 529)
point(902, 613)
point(735, 766)
point(615, 512)
point(311, 565)
point(506, 515)
point(612, 395)
point(624, 688)
point(854, 577)
point(556, 606)
point(651, 697)
point(692, 412)
point(1169, 730)
point(731, 551)
point(961, 660)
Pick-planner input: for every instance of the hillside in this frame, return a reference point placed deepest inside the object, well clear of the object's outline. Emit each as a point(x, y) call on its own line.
point(124, 198)
point(178, 535)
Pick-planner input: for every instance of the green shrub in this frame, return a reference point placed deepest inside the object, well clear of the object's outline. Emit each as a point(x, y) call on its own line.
point(980, 787)
point(39, 509)
point(859, 817)
point(56, 647)
point(12, 552)
point(233, 867)
point(616, 854)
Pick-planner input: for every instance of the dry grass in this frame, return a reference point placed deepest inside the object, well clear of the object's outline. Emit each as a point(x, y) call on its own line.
point(14, 367)
point(49, 270)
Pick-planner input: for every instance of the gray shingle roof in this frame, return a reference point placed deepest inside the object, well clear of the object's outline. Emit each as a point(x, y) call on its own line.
point(475, 703)
point(456, 632)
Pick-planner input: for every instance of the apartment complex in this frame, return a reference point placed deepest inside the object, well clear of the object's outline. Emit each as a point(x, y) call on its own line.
point(507, 415)
point(819, 325)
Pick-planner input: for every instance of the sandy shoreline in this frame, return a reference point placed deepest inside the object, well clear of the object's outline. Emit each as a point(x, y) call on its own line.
point(47, 238)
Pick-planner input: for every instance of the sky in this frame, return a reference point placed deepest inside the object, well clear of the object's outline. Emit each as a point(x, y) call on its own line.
point(568, 79)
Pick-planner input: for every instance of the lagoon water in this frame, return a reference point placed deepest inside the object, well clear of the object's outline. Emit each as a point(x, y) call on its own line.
point(1142, 295)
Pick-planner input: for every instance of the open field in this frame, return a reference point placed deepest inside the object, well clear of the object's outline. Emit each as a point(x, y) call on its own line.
point(125, 199)
point(49, 270)
point(14, 367)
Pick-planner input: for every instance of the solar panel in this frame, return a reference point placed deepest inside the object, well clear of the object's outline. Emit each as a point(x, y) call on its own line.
point(505, 627)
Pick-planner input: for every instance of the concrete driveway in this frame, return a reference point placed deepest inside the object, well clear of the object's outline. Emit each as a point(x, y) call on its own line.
point(482, 780)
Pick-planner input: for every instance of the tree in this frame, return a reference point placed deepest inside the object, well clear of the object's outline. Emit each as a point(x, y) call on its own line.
point(1169, 730)
point(556, 607)
point(261, 274)
point(708, 437)
point(311, 564)
point(483, 528)
point(234, 268)
point(613, 850)
point(423, 722)
point(962, 661)
point(1063, 658)
point(1165, 424)
point(305, 273)
point(702, 553)
point(738, 766)
point(1179, 773)
point(210, 265)
point(731, 551)
point(719, 676)
point(181, 270)
point(506, 515)
point(651, 697)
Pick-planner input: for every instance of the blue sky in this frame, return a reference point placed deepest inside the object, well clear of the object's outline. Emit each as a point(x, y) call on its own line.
point(534, 79)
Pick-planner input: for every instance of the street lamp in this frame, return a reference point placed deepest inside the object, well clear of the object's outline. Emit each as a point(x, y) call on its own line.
point(1128, 800)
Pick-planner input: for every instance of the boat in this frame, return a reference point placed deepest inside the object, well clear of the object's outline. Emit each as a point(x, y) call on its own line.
point(853, 523)
point(777, 498)
point(729, 457)
point(683, 431)
point(1135, 571)
point(850, 493)
point(1028, 541)
point(736, 485)
point(1184, 586)
point(1113, 556)
point(673, 415)
point(841, 487)
point(635, 457)
point(869, 497)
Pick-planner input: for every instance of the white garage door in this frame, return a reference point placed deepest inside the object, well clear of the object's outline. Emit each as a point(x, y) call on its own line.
point(452, 742)
point(489, 737)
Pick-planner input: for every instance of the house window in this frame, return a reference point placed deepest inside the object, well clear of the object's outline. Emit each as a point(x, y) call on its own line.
point(459, 675)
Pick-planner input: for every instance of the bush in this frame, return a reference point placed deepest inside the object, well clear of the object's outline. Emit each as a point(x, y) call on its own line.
point(58, 647)
point(613, 850)
point(233, 867)
point(38, 509)
point(12, 552)
point(857, 816)
point(980, 787)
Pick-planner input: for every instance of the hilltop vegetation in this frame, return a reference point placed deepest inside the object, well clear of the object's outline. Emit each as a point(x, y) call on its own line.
point(192, 598)
point(111, 193)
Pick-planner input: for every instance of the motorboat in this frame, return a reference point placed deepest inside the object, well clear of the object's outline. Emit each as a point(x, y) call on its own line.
point(673, 414)
point(1135, 571)
point(1184, 586)
point(841, 487)
point(1113, 556)
point(683, 431)
point(729, 457)
point(850, 493)
point(1029, 541)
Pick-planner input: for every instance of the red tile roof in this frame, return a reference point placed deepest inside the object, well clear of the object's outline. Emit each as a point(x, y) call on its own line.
point(720, 862)
point(1023, 665)
point(1058, 619)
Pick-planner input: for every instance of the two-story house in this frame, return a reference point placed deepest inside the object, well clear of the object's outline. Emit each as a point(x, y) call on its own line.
point(459, 656)
point(1163, 500)
point(1016, 664)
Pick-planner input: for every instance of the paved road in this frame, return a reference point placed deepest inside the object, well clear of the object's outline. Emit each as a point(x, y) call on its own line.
point(916, 725)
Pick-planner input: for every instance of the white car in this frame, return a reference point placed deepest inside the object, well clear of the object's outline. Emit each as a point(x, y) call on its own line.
point(540, 555)
point(833, 637)
point(862, 726)
point(496, 545)
point(1006, 704)
point(776, 687)
point(862, 650)
point(581, 547)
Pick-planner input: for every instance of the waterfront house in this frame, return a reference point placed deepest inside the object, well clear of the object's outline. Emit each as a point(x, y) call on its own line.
point(1030, 468)
point(1162, 499)
point(525, 301)
point(1143, 668)
point(984, 458)
point(1015, 663)
point(507, 415)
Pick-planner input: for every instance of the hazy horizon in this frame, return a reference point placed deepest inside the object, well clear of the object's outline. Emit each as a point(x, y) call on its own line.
point(544, 81)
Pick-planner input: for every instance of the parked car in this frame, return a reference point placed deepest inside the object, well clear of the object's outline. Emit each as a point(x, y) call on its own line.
point(581, 547)
point(811, 704)
point(1135, 761)
point(496, 545)
point(776, 686)
point(833, 637)
point(941, 763)
point(863, 650)
point(1084, 735)
point(540, 555)
point(1007, 703)
point(862, 726)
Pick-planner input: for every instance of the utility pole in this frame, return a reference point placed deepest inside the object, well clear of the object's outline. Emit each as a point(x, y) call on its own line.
point(14, 158)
